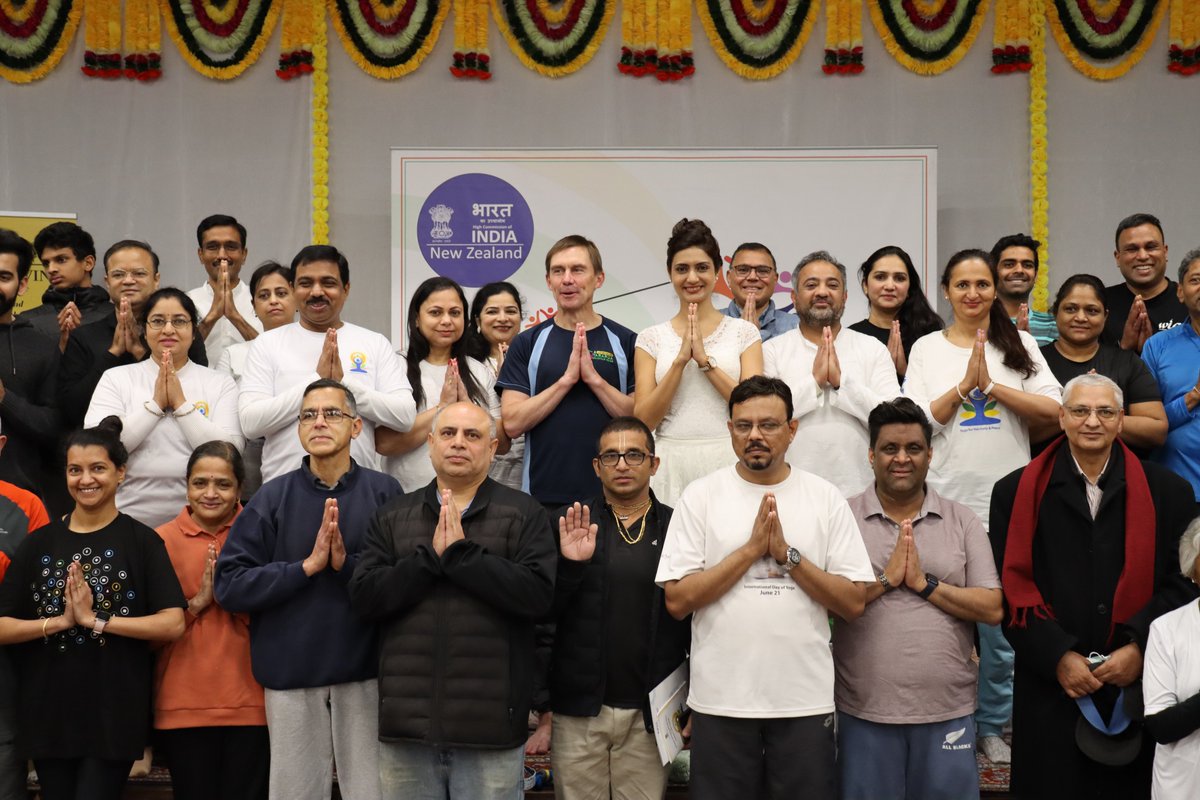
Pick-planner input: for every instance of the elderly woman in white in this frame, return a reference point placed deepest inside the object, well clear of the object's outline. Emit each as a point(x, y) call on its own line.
point(168, 406)
point(1171, 687)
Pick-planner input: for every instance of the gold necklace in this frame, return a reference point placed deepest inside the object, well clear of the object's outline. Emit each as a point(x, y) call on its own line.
point(625, 537)
point(630, 509)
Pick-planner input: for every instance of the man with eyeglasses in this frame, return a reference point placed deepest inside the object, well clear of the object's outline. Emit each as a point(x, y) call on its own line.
point(752, 280)
point(456, 573)
point(287, 563)
point(1173, 357)
point(1086, 538)
point(613, 639)
point(321, 344)
point(837, 375)
point(131, 275)
point(224, 302)
point(761, 553)
point(1146, 302)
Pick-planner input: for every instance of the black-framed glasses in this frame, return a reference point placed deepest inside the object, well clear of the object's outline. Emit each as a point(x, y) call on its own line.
point(178, 323)
point(632, 457)
point(1105, 413)
point(332, 415)
point(744, 270)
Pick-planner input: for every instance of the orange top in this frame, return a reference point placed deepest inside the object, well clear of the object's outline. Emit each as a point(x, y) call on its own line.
point(204, 679)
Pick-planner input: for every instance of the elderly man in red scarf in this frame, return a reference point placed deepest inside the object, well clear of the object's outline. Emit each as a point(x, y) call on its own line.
point(1085, 537)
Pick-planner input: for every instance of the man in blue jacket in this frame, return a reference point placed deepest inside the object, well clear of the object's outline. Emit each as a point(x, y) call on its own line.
point(288, 560)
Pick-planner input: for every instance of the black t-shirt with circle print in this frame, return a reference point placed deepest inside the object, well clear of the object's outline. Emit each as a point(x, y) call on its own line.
point(83, 695)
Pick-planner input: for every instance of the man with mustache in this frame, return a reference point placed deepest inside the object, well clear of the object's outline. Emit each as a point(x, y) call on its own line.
point(752, 280)
point(905, 686)
point(836, 375)
point(1016, 259)
point(321, 345)
point(761, 553)
point(224, 301)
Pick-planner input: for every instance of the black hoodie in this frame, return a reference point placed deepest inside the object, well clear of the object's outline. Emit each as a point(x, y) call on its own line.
point(93, 303)
point(28, 369)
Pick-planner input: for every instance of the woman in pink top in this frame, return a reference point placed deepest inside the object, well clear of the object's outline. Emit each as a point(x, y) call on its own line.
point(208, 709)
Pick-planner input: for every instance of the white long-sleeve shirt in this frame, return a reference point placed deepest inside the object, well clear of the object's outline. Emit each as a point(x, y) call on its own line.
point(155, 486)
point(831, 439)
point(224, 333)
point(283, 361)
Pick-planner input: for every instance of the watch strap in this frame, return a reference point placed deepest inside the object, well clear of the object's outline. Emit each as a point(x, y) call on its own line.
point(931, 583)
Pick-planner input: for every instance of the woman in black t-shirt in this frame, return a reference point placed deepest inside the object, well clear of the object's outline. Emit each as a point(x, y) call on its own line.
point(898, 313)
point(1080, 310)
point(81, 601)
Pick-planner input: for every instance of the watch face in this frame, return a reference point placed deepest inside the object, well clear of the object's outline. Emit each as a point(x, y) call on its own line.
point(103, 616)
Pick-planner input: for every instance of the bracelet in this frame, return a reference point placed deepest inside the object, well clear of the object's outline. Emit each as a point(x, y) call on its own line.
point(883, 579)
point(159, 414)
point(961, 396)
point(45, 622)
point(988, 391)
point(177, 415)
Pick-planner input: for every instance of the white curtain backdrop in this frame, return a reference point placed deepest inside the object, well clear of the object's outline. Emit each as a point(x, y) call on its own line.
point(152, 160)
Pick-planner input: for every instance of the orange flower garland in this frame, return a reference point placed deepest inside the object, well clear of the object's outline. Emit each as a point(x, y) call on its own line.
point(296, 37)
point(1010, 48)
point(102, 39)
point(843, 37)
point(143, 40)
point(1185, 37)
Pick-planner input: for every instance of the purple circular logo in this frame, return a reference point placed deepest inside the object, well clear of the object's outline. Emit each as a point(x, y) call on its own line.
point(475, 229)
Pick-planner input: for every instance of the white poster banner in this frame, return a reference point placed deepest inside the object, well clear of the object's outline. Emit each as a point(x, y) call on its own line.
point(479, 216)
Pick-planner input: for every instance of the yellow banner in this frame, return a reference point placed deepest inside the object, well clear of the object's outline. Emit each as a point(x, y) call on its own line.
point(27, 225)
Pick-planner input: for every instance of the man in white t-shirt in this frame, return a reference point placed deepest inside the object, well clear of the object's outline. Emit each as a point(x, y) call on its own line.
point(761, 553)
point(225, 305)
point(283, 361)
point(836, 376)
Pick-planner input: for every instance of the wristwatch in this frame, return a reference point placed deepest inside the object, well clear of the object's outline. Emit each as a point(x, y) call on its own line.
point(709, 366)
point(931, 583)
point(793, 559)
point(883, 580)
point(102, 618)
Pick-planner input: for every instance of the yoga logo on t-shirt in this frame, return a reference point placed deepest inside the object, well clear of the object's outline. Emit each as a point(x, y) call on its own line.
point(978, 410)
point(202, 407)
point(359, 360)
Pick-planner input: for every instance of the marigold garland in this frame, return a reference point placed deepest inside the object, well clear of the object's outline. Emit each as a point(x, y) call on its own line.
point(320, 126)
point(555, 50)
point(102, 39)
point(388, 48)
point(1039, 178)
point(296, 37)
point(1010, 48)
point(928, 44)
point(471, 56)
point(221, 51)
point(758, 51)
point(639, 34)
point(1118, 39)
point(1185, 37)
point(35, 37)
point(143, 40)
point(843, 37)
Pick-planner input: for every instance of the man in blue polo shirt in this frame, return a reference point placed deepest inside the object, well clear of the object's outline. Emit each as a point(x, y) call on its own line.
point(564, 379)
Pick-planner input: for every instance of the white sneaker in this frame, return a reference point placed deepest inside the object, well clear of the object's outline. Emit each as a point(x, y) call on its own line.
point(994, 749)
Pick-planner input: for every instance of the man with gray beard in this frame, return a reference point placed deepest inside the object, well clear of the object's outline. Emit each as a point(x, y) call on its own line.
point(836, 376)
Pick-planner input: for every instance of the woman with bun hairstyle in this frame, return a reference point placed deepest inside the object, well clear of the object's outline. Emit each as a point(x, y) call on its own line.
point(208, 709)
point(81, 602)
point(687, 366)
point(168, 406)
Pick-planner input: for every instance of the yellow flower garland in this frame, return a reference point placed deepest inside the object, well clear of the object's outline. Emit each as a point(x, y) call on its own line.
point(56, 55)
point(1039, 194)
point(927, 67)
point(298, 25)
point(1184, 37)
point(400, 70)
point(102, 26)
point(320, 126)
point(229, 71)
point(1089, 68)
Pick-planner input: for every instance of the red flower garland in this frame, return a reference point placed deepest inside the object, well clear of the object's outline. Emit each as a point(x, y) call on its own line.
point(26, 28)
point(225, 29)
point(935, 23)
point(752, 28)
point(555, 33)
point(1104, 28)
point(392, 28)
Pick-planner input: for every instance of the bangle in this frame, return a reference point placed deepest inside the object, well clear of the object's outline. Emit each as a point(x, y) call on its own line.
point(147, 405)
point(176, 414)
point(883, 579)
point(987, 392)
point(45, 622)
point(961, 396)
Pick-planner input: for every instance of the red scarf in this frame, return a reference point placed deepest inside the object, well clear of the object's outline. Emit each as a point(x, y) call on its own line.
point(1136, 584)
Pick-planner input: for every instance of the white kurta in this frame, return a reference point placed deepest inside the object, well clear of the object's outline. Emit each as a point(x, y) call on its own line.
point(224, 333)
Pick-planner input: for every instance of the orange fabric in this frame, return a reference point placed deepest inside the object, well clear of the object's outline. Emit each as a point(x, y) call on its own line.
point(204, 679)
point(34, 511)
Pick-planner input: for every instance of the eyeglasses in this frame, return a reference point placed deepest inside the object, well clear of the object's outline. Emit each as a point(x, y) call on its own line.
point(332, 415)
point(766, 427)
point(139, 275)
point(178, 323)
point(1105, 413)
point(632, 457)
point(744, 270)
point(228, 247)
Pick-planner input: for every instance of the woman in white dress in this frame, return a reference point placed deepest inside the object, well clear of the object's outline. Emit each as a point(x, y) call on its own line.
point(687, 366)
point(495, 321)
point(1171, 687)
point(441, 372)
point(168, 407)
point(988, 390)
point(275, 306)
